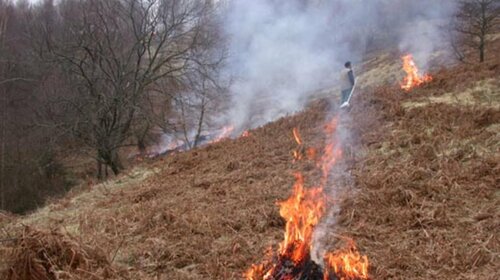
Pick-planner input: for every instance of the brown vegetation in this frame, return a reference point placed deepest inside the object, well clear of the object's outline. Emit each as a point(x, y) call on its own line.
point(429, 183)
point(51, 255)
point(89, 78)
point(425, 182)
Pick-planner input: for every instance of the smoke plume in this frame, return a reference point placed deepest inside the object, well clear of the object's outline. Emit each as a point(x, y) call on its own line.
point(283, 51)
point(422, 35)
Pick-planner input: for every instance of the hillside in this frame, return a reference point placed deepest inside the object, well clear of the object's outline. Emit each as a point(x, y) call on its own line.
point(423, 205)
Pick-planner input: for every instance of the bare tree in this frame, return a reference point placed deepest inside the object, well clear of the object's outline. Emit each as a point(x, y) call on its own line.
point(113, 52)
point(3, 28)
point(186, 110)
point(475, 21)
point(84, 74)
point(29, 170)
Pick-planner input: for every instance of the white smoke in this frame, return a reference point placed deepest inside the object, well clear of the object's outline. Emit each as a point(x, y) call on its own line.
point(420, 31)
point(424, 33)
point(282, 51)
point(339, 186)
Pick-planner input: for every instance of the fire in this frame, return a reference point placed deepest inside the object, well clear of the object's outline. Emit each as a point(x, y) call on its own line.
point(296, 135)
point(226, 132)
point(311, 153)
point(331, 154)
point(348, 262)
point(297, 154)
point(302, 211)
point(413, 78)
point(253, 272)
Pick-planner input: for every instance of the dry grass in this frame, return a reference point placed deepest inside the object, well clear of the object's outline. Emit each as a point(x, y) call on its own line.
point(381, 69)
point(485, 93)
point(428, 201)
point(84, 199)
point(207, 213)
point(425, 207)
point(44, 255)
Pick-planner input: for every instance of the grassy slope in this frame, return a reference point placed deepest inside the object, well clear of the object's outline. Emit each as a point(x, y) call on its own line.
point(428, 206)
point(425, 168)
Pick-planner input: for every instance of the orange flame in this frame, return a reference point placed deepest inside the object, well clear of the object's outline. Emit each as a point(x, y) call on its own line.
point(302, 211)
point(297, 155)
point(331, 153)
point(226, 132)
point(413, 78)
point(311, 153)
point(348, 263)
point(296, 135)
point(254, 271)
point(245, 133)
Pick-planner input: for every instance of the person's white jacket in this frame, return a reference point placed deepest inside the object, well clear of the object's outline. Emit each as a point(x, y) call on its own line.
point(346, 80)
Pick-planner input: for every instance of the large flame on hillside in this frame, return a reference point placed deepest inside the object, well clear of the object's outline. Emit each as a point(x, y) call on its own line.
point(302, 211)
point(413, 78)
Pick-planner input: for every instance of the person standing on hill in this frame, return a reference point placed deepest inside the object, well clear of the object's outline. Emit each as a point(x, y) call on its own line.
point(347, 81)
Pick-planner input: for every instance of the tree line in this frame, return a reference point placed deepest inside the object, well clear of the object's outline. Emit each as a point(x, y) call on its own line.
point(99, 76)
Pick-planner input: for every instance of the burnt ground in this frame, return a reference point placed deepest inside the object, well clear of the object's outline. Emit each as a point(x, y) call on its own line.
point(424, 205)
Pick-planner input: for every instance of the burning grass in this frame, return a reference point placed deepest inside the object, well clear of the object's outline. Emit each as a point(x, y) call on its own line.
point(413, 77)
point(426, 205)
point(303, 211)
point(204, 214)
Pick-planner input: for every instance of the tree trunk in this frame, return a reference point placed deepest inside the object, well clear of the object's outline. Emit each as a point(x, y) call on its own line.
point(2, 154)
point(3, 28)
point(481, 50)
point(108, 158)
point(115, 163)
point(200, 124)
point(141, 138)
point(114, 168)
point(184, 123)
point(141, 145)
point(99, 169)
